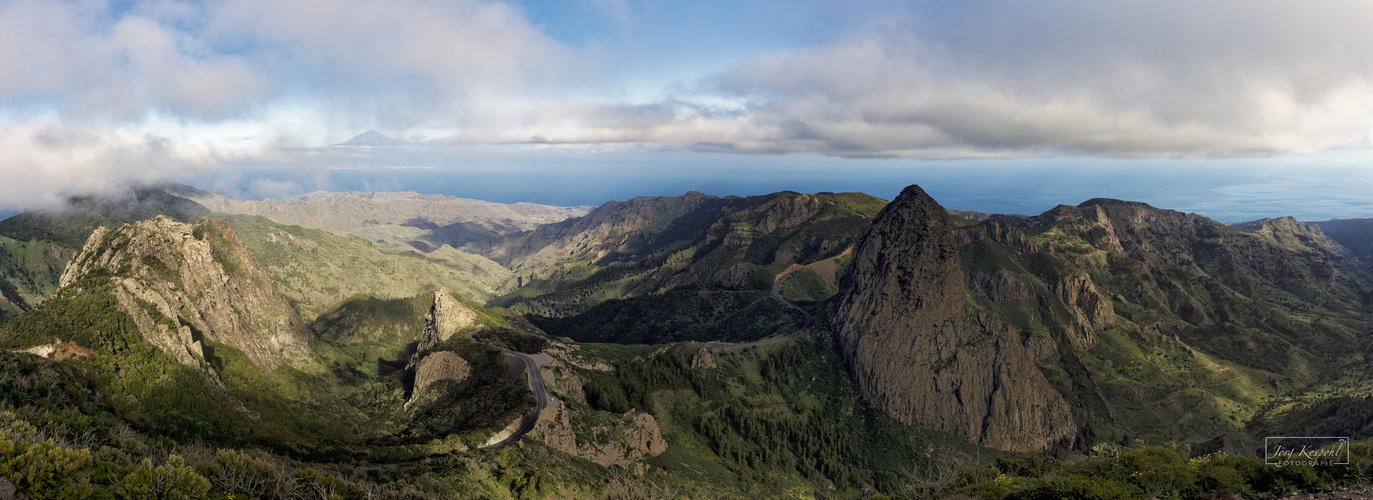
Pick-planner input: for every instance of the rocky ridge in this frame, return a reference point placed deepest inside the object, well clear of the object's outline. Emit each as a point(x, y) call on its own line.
point(186, 283)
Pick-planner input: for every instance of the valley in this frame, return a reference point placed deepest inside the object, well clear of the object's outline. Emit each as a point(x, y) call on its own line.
point(791, 345)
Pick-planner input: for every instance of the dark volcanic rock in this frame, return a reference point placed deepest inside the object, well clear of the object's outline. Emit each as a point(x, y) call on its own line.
point(923, 354)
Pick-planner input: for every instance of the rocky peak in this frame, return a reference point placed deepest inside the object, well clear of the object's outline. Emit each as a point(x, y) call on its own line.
point(184, 283)
point(922, 353)
point(445, 318)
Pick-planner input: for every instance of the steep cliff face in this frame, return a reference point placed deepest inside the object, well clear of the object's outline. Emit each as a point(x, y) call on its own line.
point(445, 318)
point(1090, 309)
point(429, 370)
point(922, 353)
point(184, 283)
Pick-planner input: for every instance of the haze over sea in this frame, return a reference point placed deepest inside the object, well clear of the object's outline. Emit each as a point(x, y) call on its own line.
point(1332, 185)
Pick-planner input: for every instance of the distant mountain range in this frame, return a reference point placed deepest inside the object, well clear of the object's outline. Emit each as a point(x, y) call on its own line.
point(357, 343)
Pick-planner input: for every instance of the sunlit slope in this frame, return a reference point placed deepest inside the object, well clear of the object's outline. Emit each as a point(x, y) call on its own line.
point(688, 267)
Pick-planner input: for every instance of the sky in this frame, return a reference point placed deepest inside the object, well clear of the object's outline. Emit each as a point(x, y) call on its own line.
point(1236, 109)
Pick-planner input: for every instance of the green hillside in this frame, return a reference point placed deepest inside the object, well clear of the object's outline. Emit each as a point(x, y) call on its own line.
point(686, 268)
point(29, 272)
point(1177, 342)
point(317, 269)
point(1212, 323)
point(1354, 234)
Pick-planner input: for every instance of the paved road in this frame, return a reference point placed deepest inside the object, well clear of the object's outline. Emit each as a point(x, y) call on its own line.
point(542, 398)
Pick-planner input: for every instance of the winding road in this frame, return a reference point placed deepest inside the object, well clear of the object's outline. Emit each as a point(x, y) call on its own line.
point(542, 398)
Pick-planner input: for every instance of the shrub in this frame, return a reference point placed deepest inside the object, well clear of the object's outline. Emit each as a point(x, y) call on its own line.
point(172, 480)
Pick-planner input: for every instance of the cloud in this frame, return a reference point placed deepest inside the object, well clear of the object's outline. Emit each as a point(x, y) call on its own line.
point(1076, 77)
point(1233, 78)
point(400, 64)
point(88, 64)
point(47, 160)
point(938, 79)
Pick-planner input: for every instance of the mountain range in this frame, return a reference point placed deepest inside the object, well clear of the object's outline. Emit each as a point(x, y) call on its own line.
point(407, 345)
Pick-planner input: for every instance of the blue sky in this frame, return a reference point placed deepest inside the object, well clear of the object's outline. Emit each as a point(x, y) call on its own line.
point(1232, 108)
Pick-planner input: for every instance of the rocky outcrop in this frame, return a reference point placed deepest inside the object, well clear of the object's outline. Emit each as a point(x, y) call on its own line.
point(445, 318)
point(1091, 310)
point(999, 232)
point(59, 350)
point(621, 440)
point(185, 283)
point(922, 353)
point(441, 365)
point(1003, 285)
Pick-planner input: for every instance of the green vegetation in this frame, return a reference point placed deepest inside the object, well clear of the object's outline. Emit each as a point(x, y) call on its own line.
point(510, 338)
point(1218, 336)
point(689, 268)
point(70, 226)
point(678, 315)
point(806, 286)
point(488, 398)
point(1143, 472)
point(1354, 234)
point(1212, 325)
point(29, 272)
point(779, 417)
point(316, 269)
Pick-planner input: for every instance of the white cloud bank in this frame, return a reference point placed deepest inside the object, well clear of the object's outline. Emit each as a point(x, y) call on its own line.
point(1070, 77)
point(45, 161)
point(161, 85)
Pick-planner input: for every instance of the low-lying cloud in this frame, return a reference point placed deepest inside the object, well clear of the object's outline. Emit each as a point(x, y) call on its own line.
point(45, 161)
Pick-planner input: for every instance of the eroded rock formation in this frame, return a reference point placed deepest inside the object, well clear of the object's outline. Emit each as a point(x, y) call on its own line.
point(922, 353)
point(186, 283)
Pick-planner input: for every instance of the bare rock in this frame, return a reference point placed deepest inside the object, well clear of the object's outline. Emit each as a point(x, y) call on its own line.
point(922, 353)
point(59, 350)
point(624, 440)
point(1092, 311)
point(184, 283)
point(1000, 232)
point(446, 317)
point(555, 428)
point(1003, 285)
point(441, 365)
point(562, 381)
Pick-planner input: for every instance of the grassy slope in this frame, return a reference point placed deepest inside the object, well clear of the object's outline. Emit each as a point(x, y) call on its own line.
point(29, 271)
point(316, 269)
point(701, 275)
point(1354, 234)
